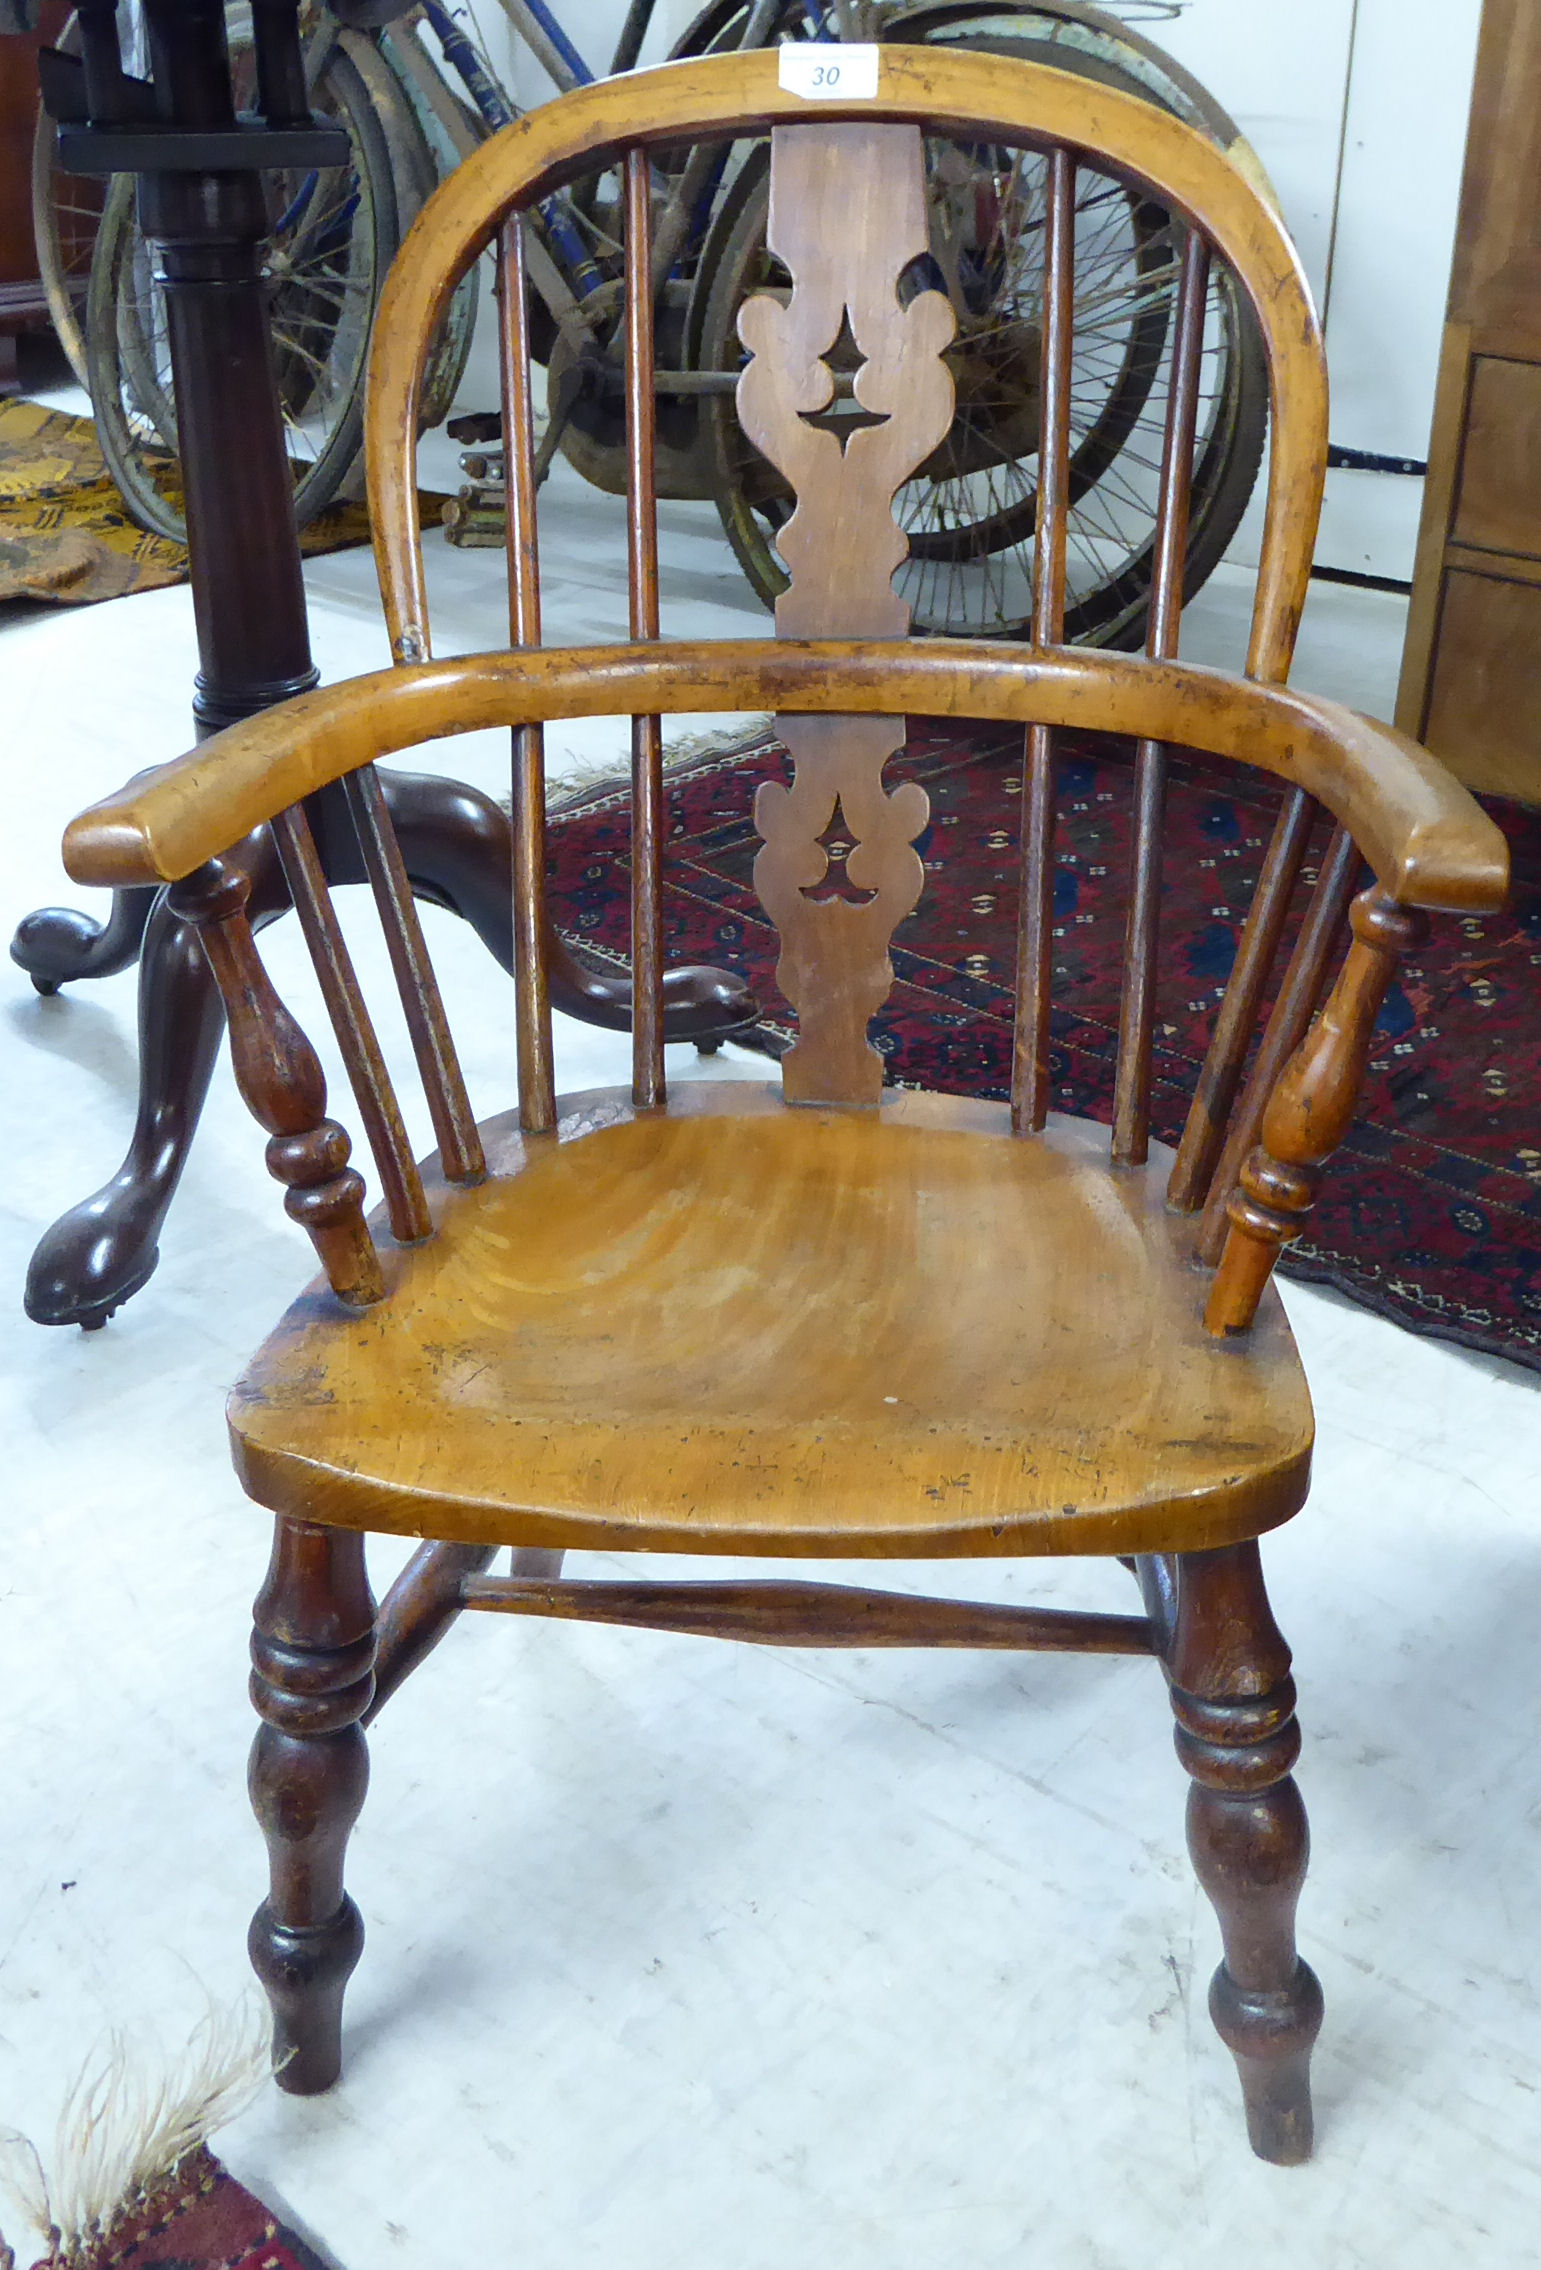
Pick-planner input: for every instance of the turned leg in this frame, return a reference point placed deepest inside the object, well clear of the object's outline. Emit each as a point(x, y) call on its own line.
point(1234, 1703)
point(313, 1675)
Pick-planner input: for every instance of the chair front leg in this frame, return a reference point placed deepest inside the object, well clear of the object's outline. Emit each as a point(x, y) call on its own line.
point(1234, 1702)
point(313, 1652)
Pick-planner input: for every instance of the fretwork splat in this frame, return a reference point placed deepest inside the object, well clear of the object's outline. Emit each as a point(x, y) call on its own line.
point(846, 393)
point(844, 415)
point(837, 844)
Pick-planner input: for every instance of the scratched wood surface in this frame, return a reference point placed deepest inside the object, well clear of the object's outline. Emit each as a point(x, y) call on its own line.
point(1425, 836)
point(665, 1331)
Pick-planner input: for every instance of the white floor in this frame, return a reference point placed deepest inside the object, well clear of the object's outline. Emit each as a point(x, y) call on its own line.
point(691, 1956)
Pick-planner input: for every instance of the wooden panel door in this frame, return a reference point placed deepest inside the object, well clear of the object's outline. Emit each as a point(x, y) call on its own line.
point(1471, 678)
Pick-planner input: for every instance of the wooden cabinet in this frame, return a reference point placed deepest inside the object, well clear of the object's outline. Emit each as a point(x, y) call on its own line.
point(23, 306)
point(1471, 669)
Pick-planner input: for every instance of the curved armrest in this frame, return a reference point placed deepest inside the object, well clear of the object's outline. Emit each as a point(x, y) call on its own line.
point(1425, 836)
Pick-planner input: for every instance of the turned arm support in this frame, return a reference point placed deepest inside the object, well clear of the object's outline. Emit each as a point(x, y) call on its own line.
point(1426, 838)
point(282, 1085)
point(1310, 1111)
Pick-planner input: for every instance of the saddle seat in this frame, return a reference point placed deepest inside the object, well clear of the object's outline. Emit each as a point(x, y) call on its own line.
point(734, 1326)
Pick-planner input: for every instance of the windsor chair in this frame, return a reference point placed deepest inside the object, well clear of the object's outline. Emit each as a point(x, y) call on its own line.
point(813, 1320)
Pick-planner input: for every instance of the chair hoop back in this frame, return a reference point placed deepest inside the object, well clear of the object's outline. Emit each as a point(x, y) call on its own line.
point(984, 97)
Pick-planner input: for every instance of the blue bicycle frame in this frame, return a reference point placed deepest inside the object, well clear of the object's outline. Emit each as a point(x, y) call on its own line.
point(497, 111)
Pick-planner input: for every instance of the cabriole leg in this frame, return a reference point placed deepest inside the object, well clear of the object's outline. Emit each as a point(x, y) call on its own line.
point(313, 1675)
point(1234, 1702)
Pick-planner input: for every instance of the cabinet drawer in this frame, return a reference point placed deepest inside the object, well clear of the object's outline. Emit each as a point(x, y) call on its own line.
point(1498, 508)
point(1485, 706)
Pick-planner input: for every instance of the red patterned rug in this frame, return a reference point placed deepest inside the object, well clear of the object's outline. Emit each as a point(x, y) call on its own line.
point(200, 2218)
point(1431, 1213)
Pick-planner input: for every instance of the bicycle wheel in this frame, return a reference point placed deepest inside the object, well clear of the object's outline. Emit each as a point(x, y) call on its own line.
point(426, 142)
point(66, 215)
point(971, 510)
point(334, 233)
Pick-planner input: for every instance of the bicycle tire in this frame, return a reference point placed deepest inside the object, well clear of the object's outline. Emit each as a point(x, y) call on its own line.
point(134, 406)
point(64, 272)
point(417, 168)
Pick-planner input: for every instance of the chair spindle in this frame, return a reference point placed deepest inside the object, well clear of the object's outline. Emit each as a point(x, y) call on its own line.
point(1220, 1075)
point(1035, 936)
point(532, 982)
point(647, 1079)
point(449, 1107)
point(1305, 981)
point(1131, 1099)
point(367, 1076)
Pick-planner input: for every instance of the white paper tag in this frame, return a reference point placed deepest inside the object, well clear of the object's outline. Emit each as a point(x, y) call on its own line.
point(821, 71)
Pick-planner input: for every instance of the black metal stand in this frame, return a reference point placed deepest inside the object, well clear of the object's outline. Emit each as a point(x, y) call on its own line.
point(201, 206)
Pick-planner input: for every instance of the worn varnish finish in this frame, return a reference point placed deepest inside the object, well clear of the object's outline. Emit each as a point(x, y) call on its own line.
point(1137, 1001)
point(532, 981)
point(1035, 933)
point(978, 96)
point(1305, 981)
point(1310, 1110)
point(1234, 1703)
point(809, 1615)
point(1426, 838)
point(706, 1322)
point(282, 1085)
point(312, 1683)
point(841, 548)
point(648, 823)
point(353, 1026)
point(692, 1332)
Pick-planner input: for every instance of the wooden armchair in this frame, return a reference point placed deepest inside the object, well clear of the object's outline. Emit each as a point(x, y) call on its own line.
point(810, 1318)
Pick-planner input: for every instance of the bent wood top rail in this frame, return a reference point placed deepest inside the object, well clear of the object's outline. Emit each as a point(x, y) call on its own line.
point(1426, 837)
point(976, 96)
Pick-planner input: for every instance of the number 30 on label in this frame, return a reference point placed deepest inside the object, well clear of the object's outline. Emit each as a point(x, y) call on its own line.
point(822, 72)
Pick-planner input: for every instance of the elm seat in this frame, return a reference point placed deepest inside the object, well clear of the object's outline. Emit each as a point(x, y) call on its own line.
point(715, 1329)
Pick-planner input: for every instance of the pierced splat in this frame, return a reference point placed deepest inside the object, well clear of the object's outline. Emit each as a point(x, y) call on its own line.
point(846, 394)
point(845, 415)
point(837, 845)
point(847, 217)
point(834, 966)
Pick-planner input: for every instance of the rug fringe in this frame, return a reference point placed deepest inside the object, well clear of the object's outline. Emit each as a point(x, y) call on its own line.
point(127, 2123)
point(590, 780)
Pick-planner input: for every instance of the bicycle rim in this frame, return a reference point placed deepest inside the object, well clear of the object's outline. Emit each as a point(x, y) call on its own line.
point(335, 231)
